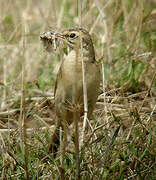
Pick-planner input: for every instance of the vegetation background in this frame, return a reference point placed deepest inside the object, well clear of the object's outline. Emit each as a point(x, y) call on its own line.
point(121, 139)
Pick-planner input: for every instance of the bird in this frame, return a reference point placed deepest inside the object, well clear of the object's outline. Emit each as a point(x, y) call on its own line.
point(68, 91)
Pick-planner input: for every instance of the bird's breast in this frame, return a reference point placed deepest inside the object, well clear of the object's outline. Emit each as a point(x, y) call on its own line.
point(71, 81)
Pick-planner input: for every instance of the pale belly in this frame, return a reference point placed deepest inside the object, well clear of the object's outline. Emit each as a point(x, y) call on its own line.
point(70, 89)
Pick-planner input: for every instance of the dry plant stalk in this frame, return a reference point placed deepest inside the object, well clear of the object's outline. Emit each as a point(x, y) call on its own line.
point(60, 17)
point(76, 119)
point(3, 103)
point(22, 120)
point(101, 12)
point(84, 92)
point(103, 16)
point(83, 75)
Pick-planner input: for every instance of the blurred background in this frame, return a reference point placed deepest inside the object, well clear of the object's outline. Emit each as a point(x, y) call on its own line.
point(123, 31)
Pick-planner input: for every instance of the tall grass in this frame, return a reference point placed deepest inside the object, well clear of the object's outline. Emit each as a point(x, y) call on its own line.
point(120, 142)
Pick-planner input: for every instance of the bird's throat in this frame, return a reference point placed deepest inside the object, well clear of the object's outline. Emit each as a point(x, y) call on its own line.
point(77, 55)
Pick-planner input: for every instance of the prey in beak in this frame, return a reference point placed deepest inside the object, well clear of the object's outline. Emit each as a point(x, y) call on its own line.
point(50, 40)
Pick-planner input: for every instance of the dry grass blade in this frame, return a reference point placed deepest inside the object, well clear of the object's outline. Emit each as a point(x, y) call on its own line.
point(22, 119)
point(101, 12)
point(60, 17)
point(84, 90)
point(135, 119)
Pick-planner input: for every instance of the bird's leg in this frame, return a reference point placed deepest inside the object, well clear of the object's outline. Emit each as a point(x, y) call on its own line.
point(55, 139)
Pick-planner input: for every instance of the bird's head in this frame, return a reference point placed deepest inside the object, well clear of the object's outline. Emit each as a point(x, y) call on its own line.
point(72, 39)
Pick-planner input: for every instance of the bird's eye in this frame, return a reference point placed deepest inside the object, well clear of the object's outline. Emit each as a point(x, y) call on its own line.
point(72, 35)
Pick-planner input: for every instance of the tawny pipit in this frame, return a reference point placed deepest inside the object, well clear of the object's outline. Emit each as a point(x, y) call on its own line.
point(69, 97)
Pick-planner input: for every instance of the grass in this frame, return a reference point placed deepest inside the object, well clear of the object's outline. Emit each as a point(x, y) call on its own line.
point(120, 142)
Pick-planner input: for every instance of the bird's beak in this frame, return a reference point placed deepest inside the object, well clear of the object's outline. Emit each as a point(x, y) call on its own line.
point(51, 36)
point(59, 36)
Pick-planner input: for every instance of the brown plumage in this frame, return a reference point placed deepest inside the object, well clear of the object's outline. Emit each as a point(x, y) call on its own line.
point(69, 83)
